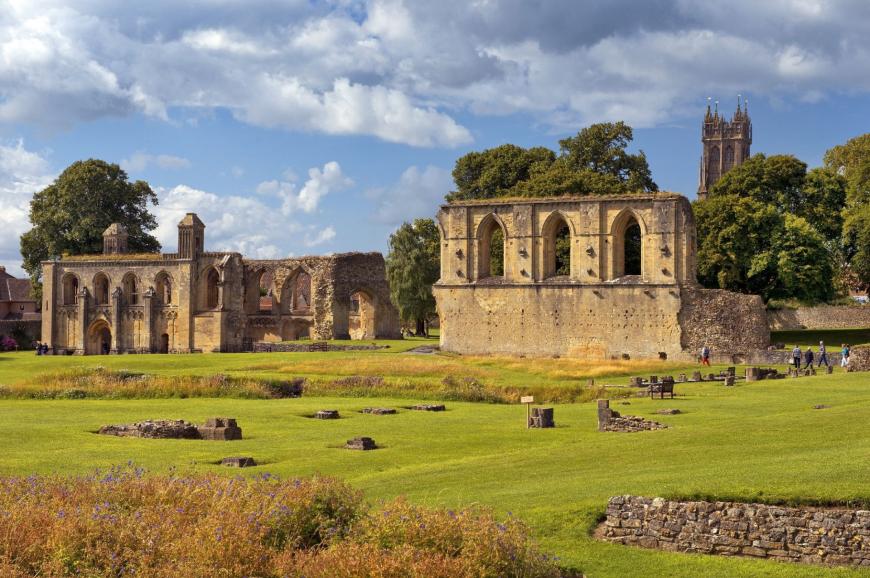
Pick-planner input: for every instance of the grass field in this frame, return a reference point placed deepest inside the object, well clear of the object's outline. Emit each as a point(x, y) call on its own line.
point(758, 441)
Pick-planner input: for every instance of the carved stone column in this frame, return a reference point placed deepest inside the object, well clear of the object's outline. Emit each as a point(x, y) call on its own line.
point(116, 320)
point(147, 319)
point(220, 299)
point(81, 337)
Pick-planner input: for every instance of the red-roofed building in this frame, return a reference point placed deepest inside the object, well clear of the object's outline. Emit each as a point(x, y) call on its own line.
point(19, 311)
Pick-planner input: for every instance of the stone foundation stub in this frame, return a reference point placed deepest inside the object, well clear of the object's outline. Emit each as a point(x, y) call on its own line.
point(729, 380)
point(429, 407)
point(238, 462)
point(696, 376)
point(327, 414)
point(635, 382)
point(361, 443)
point(752, 373)
point(220, 428)
point(378, 410)
point(542, 417)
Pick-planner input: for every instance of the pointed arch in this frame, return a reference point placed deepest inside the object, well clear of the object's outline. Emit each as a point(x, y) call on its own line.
point(101, 289)
point(362, 314)
point(628, 232)
point(558, 234)
point(296, 292)
point(163, 286)
point(212, 289)
point(70, 288)
point(491, 239)
point(130, 288)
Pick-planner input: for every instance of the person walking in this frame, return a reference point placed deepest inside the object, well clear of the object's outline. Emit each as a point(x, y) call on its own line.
point(808, 357)
point(796, 356)
point(705, 356)
point(844, 355)
point(823, 355)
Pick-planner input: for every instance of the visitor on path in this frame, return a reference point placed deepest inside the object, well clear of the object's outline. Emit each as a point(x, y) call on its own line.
point(38, 348)
point(844, 355)
point(808, 356)
point(796, 356)
point(705, 356)
point(823, 355)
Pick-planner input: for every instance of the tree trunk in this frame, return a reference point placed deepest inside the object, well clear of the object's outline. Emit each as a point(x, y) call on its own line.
point(421, 327)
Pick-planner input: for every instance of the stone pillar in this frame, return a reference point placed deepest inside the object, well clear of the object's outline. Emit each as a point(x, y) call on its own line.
point(220, 299)
point(147, 319)
point(752, 374)
point(81, 336)
point(116, 321)
point(604, 414)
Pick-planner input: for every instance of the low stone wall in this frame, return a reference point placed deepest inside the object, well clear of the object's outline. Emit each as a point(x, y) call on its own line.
point(728, 323)
point(815, 535)
point(819, 317)
point(265, 347)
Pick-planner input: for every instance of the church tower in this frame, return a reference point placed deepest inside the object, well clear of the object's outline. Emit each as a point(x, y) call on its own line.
point(191, 237)
point(726, 144)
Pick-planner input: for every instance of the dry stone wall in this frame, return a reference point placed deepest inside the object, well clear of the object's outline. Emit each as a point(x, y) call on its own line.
point(819, 317)
point(726, 322)
point(814, 535)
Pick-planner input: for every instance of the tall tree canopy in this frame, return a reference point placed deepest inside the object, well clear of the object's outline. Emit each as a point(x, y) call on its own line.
point(70, 215)
point(593, 162)
point(413, 266)
point(852, 161)
point(773, 228)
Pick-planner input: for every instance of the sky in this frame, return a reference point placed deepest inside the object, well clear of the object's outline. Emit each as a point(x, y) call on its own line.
point(300, 127)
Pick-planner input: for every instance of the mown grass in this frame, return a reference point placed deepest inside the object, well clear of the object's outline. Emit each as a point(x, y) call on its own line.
point(756, 441)
point(833, 338)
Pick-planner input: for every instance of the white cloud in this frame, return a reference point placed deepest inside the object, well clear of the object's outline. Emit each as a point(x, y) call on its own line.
point(319, 184)
point(403, 71)
point(417, 194)
point(323, 236)
point(22, 173)
point(139, 161)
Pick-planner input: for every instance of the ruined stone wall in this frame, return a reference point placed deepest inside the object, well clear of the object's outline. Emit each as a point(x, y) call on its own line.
point(366, 273)
point(814, 535)
point(728, 323)
point(819, 317)
point(596, 322)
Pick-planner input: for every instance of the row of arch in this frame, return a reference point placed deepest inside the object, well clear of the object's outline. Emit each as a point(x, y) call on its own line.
point(131, 289)
point(293, 297)
point(558, 246)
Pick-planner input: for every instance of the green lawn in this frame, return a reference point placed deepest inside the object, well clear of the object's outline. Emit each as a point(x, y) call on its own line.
point(754, 441)
point(833, 338)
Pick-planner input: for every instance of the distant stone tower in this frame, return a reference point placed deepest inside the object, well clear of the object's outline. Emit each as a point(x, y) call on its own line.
point(191, 236)
point(726, 144)
point(115, 239)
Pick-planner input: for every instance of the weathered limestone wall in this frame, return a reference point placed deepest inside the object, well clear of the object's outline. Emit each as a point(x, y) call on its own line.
point(820, 317)
point(814, 535)
point(726, 322)
point(597, 322)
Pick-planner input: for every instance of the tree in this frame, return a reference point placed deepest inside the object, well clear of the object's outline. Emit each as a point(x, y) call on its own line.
point(70, 215)
point(804, 269)
point(600, 149)
point(413, 266)
point(852, 161)
point(593, 162)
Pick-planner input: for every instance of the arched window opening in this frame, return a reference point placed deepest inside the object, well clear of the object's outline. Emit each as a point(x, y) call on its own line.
point(101, 289)
point(70, 290)
point(729, 157)
point(713, 165)
point(211, 289)
point(264, 292)
point(632, 249)
point(492, 250)
point(130, 287)
point(361, 316)
point(163, 289)
point(296, 296)
point(557, 247)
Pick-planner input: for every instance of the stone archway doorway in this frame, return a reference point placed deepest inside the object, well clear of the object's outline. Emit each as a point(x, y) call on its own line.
point(164, 343)
point(99, 339)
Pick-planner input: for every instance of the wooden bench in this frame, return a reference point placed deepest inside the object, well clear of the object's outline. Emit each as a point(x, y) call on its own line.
point(662, 389)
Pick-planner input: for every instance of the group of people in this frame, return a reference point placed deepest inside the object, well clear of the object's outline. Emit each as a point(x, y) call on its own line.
point(808, 356)
point(41, 348)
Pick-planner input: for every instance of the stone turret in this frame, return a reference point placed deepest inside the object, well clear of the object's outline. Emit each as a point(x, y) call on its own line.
point(191, 236)
point(726, 144)
point(115, 239)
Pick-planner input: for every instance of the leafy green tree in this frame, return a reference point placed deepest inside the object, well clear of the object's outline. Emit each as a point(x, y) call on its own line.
point(856, 239)
point(824, 196)
point(413, 266)
point(804, 269)
point(70, 215)
point(600, 149)
point(594, 162)
point(852, 161)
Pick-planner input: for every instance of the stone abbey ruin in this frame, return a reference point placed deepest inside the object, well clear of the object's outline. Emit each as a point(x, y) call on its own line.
point(195, 300)
point(626, 287)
